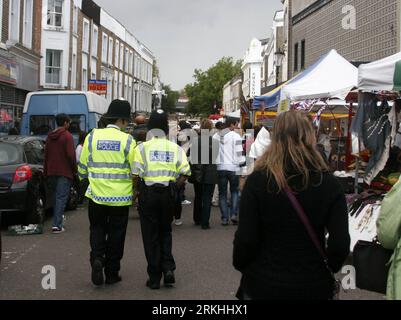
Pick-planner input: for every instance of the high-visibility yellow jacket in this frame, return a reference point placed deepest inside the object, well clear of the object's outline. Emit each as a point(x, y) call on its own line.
point(106, 160)
point(160, 161)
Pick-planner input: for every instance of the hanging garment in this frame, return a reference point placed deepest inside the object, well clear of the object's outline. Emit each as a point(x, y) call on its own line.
point(375, 126)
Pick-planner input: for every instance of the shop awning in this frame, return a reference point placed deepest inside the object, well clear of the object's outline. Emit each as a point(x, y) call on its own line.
point(270, 99)
point(381, 75)
point(332, 76)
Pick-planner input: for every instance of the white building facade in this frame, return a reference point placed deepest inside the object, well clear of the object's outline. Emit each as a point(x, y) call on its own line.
point(252, 69)
point(82, 42)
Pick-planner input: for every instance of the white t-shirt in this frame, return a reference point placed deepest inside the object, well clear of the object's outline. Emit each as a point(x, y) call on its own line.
point(78, 151)
point(230, 152)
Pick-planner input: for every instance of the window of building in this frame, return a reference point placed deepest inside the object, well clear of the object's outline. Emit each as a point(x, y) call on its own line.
point(117, 54)
point(74, 71)
point(105, 40)
point(85, 36)
point(14, 20)
point(111, 42)
point(95, 40)
point(126, 66)
point(120, 85)
point(75, 20)
point(84, 79)
point(93, 69)
point(131, 61)
point(121, 64)
point(115, 89)
point(126, 88)
point(296, 47)
point(303, 55)
point(27, 33)
point(55, 13)
point(53, 66)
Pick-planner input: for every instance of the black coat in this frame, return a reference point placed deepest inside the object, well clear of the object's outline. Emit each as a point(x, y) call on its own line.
point(204, 170)
point(274, 252)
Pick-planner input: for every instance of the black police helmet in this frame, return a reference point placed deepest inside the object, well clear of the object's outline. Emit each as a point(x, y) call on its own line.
point(158, 120)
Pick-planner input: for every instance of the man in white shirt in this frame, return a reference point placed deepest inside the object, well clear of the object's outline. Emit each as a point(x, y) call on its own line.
point(230, 164)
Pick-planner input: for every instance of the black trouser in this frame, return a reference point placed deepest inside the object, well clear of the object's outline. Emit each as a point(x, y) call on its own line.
point(197, 213)
point(203, 203)
point(178, 203)
point(156, 215)
point(108, 227)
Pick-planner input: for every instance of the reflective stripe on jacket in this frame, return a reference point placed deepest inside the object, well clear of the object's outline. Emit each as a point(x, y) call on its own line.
point(160, 161)
point(106, 160)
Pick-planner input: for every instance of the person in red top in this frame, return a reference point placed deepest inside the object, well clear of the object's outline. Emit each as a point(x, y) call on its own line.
point(60, 167)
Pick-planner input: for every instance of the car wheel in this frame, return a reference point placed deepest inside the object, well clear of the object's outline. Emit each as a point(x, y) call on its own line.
point(36, 214)
point(73, 199)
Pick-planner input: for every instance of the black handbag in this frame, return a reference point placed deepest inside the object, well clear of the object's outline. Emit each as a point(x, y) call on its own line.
point(371, 262)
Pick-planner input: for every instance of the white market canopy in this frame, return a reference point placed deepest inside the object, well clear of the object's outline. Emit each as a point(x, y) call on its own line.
point(381, 75)
point(332, 76)
point(236, 114)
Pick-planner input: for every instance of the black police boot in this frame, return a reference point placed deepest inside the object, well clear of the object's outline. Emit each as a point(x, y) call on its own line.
point(97, 272)
point(153, 285)
point(169, 278)
point(113, 278)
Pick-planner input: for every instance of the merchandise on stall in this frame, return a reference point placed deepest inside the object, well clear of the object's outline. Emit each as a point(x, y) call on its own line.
point(376, 144)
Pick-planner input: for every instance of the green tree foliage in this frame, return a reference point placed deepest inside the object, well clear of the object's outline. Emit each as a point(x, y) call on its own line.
point(169, 101)
point(207, 90)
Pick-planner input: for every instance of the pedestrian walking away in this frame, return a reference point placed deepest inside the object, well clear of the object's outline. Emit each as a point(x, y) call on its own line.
point(230, 164)
point(162, 168)
point(106, 160)
point(60, 168)
point(204, 153)
point(273, 249)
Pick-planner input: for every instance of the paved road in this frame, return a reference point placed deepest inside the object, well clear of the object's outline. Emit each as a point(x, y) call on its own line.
point(203, 258)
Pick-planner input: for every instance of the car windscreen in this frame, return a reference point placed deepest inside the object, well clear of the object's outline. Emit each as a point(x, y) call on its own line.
point(42, 125)
point(10, 154)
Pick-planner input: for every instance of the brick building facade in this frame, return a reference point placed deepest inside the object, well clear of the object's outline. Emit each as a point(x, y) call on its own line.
point(19, 57)
point(315, 27)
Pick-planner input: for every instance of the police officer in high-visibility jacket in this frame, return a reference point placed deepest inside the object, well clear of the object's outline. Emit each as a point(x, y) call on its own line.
point(106, 160)
point(162, 167)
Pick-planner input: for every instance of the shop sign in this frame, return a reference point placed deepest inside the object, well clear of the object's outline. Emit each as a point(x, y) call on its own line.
point(8, 71)
point(253, 85)
point(284, 106)
point(98, 86)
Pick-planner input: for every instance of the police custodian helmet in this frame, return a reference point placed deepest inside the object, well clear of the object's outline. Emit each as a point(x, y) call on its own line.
point(119, 109)
point(158, 120)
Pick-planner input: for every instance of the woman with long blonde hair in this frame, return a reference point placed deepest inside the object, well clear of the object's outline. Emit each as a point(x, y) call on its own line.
point(272, 248)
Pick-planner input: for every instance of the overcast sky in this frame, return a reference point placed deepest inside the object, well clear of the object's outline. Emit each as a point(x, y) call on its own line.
point(189, 34)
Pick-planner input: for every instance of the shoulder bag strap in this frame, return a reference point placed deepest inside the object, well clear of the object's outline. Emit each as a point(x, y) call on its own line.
point(308, 226)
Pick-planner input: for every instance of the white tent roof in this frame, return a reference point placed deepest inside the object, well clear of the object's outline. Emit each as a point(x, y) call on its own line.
point(382, 75)
point(236, 114)
point(332, 76)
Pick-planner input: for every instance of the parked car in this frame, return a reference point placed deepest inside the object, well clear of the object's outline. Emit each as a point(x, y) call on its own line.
point(23, 188)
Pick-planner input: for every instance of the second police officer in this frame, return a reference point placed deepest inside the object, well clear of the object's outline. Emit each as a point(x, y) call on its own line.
point(162, 167)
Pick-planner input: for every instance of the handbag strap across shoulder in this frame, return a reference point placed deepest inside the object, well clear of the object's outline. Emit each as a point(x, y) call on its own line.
point(308, 226)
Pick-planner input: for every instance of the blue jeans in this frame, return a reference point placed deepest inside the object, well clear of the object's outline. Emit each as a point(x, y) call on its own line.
point(60, 187)
point(226, 177)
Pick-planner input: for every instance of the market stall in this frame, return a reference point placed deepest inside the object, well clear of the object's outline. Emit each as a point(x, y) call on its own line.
point(320, 90)
point(376, 143)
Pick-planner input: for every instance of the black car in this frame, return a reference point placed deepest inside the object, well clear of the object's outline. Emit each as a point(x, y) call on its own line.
point(22, 184)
